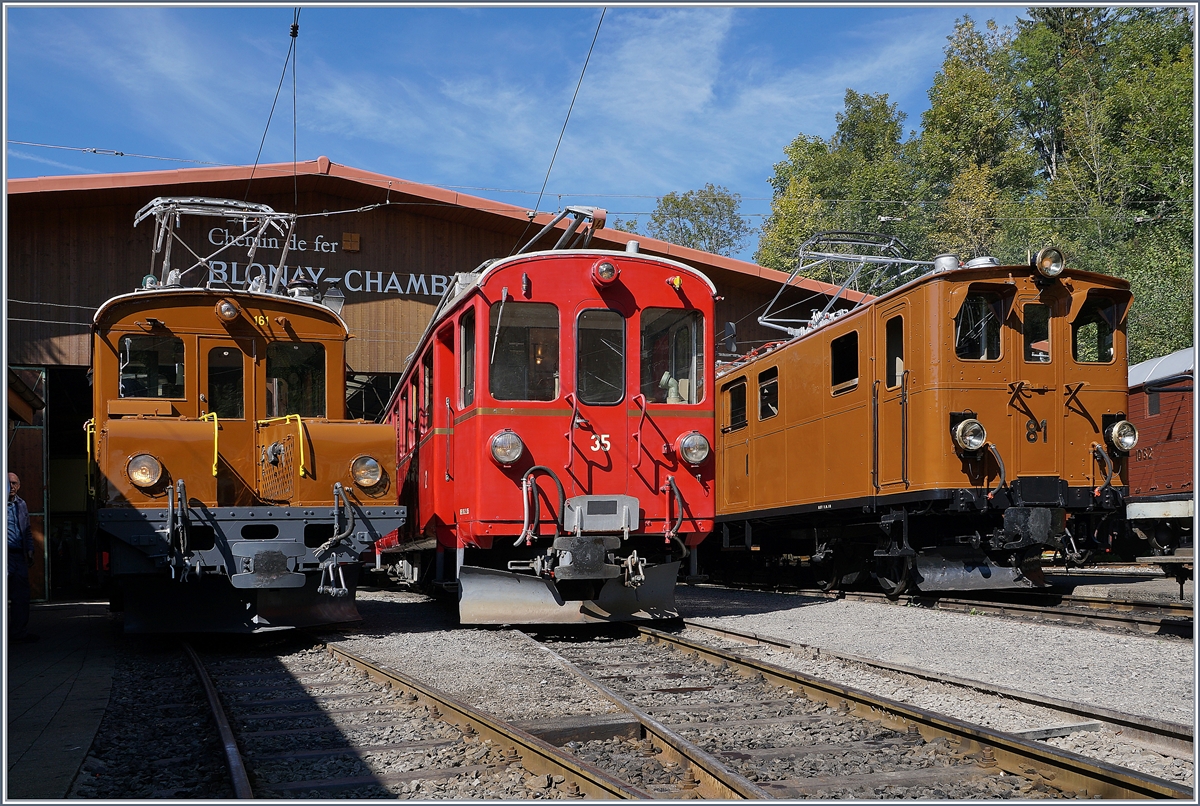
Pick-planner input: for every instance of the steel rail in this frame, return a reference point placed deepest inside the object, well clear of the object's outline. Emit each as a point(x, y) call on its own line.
point(715, 780)
point(1061, 769)
point(233, 757)
point(1165, 618)
point(1169, 738)
point(537, 755)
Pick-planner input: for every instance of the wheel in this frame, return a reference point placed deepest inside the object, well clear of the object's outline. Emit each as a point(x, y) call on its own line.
point(828, 577)
point(894, 575)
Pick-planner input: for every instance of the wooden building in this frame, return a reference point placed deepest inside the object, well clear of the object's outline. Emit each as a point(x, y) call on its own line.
point(394, 244)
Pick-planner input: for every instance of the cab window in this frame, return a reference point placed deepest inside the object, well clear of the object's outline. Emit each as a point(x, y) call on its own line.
point(1092, 331)
point(295, 379)
point(1036, 327)
point(226, 391)
point(977, 328)
point(467, 351)
point(894, 335)
point(735, 406)
point(600, 357)
point(768, 393)
point(672, 355)
point(843, 362)
point(523, 351)
point(151, 366)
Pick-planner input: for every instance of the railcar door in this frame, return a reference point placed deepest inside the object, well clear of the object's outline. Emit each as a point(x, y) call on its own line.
point(1033, 389)
point(598, 438)
point(227, 390)
point(890, 399)
point(735, 446)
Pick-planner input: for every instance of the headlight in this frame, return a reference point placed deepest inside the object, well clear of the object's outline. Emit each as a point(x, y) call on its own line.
point(144, 470)
point(1050, 262)
point(507, 447)
point(970, 435)
point(694, 448)
point(604, 272)
point(366, 472)
point(227, 310)
point(1122, 435)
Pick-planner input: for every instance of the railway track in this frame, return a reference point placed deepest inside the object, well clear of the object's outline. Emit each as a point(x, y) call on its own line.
point(1147, 618)
point(744, 728)
point(316, 720)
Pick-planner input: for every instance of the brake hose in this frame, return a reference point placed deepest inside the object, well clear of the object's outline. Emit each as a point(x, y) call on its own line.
point(1097, 448)
point(532, 524)
point(673, 534)
point(1003, 478)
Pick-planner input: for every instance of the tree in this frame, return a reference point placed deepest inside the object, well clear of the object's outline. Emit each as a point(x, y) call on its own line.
point(706, 219)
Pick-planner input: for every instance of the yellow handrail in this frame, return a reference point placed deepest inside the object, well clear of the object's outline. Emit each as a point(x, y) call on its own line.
point(216, 431)
point(89, 432)
point(299, 430)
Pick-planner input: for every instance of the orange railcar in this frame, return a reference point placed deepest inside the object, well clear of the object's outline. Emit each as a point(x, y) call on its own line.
point(231, 493)
point(943, 434)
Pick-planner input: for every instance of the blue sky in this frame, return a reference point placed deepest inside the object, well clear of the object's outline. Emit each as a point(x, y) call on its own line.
point(471, 98)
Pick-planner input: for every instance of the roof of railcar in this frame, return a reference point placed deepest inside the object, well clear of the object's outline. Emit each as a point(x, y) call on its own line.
point(1180, 362)
point(154, 294)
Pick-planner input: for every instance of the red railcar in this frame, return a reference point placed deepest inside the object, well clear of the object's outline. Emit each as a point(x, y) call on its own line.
point(1161, 501)
point(554, 431)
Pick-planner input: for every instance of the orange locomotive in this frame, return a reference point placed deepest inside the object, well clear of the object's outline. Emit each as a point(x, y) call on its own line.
point(554, 431)
point(941, 435)
point(232, 493)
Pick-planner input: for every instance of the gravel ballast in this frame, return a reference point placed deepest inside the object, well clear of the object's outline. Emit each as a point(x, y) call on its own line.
point(1133, 674)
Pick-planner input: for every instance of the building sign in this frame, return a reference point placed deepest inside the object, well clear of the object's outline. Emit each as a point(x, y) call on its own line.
point(240, 274)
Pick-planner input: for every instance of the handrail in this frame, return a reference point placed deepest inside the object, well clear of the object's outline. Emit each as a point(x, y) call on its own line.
point(299, 428)
point(216, 432)
point(449, 433)
point(89, 434)
point(904, 427)
point(570, 435)
point(642, 398)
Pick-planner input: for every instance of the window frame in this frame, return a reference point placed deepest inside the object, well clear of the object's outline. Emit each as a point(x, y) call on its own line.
point(727, 391)
point(183, 344)
point(691, 321)
point(241, 375)
point(624, 352)
point(997, 305)
point(491, 342)
point(893, 376)
point(837, 388)
point(468, 364)
point(762, 385)
point(325, 377)
point(1113, 328)
point(1026, 346)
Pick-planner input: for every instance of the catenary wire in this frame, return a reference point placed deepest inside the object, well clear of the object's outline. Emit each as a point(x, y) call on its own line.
point(291, 49)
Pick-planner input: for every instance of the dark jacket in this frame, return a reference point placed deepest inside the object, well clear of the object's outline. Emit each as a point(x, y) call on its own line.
point(20, 543)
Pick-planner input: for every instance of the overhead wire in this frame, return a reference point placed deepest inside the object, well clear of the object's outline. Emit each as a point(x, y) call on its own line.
point(563, 131)
point(294, 31)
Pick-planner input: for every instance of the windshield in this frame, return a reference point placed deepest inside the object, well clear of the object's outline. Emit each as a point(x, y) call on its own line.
point(977, 328)
point(600, 366)
point(672, 355)
point(523, 351)
point(152, 366)
point(295, 379)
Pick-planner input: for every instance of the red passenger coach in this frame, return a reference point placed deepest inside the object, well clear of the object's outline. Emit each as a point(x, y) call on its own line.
point(554, 431)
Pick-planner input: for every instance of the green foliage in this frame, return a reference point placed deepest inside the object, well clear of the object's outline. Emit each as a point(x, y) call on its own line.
point(706, 219)
point(1074, 128)
point(624, 225)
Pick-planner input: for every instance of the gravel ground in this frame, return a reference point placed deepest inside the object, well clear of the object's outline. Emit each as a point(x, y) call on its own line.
point(1148, 676)
point(418, 636)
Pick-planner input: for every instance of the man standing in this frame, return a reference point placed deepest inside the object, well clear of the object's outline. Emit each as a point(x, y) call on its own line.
point(20, 555)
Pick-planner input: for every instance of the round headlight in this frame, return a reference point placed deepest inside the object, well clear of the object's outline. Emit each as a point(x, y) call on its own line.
point(604, 272)
point(694, 448)
point(144, 470)
point(1123, 435)
point(366, 472)
point(507, 447)
point(227, 310)
point(970, 435)
point(1050, 262)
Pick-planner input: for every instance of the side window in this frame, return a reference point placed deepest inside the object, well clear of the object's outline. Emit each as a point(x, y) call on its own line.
point(467, 362)
point(151, 366)
point(523, 351)
point(226, 391)
point(1092, 331)
point(295, 379)
point(735, 406)
point(600, 357)
point(977, 328)
point(427, 386)
point(1036, 326)
point(1152, 404)
point(843, 361)
point(768, 393)
point(894, 332)
point(672, 355)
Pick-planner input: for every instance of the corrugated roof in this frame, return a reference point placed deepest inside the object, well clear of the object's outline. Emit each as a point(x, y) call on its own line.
point(1179, 362)
point(427, 197)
